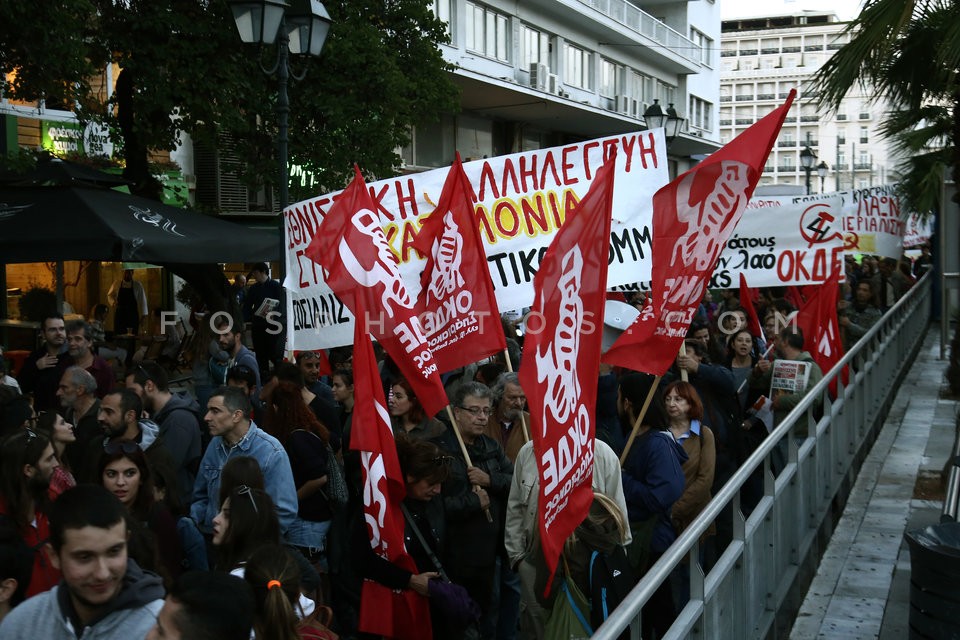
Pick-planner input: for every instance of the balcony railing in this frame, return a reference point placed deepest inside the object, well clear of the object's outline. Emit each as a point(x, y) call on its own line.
point(745, 98)
point(726, 123)
point(646, 25)
point(770, 50)
point(862, 166)
point(766, 96)
point(728, 54)
point(809, 118)
point(745, 120)
point(791, 49)
point(786, 143)
point(748, 52)
point(726, 98)
point(841, 116)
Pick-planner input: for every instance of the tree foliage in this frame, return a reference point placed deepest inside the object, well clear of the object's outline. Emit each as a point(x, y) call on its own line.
point(180, 67)
point(909, 52)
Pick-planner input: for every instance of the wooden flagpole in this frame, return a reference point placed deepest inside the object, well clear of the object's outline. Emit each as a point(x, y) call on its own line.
point(640, 416)
point(683, 372)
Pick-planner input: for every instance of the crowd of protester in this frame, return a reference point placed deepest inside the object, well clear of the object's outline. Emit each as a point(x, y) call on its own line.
point(234, 509)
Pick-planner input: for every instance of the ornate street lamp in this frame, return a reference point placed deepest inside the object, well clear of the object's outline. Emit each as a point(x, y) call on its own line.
point(807, 160)
point(654, 117)
point(822, 170)
point(298, 27)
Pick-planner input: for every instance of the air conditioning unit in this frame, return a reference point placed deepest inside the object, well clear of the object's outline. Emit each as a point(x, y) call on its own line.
point(219, 183)
point(622, 104)
point(553, 84)
point(538, 76)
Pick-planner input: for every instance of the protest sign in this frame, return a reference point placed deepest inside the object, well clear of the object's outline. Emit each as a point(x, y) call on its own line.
point(789, 377)
point(522, 200)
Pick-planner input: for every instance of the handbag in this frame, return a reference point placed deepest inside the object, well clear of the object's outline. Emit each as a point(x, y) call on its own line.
point(449, 599)
point(567, 620)
point(335, 491)
point(316, 626)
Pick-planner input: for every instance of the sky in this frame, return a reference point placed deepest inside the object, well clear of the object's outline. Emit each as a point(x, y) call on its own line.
point(845, 9)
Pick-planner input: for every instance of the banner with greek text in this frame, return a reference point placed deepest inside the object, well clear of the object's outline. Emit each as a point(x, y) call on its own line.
point(794, 243)
point(522, 200)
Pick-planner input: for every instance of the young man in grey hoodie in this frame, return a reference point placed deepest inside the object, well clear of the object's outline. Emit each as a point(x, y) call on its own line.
point(102, 595)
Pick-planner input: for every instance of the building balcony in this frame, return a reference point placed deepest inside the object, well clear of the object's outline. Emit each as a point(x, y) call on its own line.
point(862, 166)
point(748, 52)
point(786, 143)
point(641, 22)
point(745, 98)
point(766, 96)
point(791, 49)
point(745, 120)
point(726, 98)
point(813, 47)
point(809, 118)
point(786, 168)
point(728, 54)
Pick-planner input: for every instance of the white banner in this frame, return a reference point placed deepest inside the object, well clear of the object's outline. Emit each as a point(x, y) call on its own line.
point(523, 199)
point(786, 244)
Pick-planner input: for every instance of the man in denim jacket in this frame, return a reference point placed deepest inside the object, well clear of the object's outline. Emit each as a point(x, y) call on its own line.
point(235, 434)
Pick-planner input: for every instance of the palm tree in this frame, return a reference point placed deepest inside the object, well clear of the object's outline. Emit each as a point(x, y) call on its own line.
point(909, 52)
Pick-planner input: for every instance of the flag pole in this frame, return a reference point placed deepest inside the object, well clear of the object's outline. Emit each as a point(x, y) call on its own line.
point(642, 414)
point(683, 372)
point(463, 450)
point(523, 422)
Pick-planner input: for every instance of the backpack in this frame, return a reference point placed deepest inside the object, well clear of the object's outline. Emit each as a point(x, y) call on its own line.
point(611, 579)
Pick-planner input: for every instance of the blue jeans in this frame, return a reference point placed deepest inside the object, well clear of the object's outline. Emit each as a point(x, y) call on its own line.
point(504, 615)
point(311, 536)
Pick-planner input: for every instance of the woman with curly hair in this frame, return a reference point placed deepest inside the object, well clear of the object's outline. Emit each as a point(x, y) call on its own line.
point(61, 433)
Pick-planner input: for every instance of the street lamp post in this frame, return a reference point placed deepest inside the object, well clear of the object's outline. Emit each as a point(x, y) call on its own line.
point(807, 160)
point(822, 169)
point(299, 27)
point(655, 117)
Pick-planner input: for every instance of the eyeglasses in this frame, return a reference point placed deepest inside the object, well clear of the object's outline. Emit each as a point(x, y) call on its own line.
point(247, 491)
point(478, 411)
point(114, 447)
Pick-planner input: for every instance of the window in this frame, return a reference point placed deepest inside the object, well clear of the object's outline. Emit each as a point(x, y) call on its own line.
point(576, 66)
point(666, 93)
point(700, 114)
point(841, 137)
point(441, 9)
point(706, 46)
point(864, 135)
point(841, 158)
point(535, 47)
point(611, 78)
point(486, 32)
point(643, 87)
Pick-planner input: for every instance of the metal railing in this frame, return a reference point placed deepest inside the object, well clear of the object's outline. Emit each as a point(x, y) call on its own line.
point(826, 441)
point(645, 24)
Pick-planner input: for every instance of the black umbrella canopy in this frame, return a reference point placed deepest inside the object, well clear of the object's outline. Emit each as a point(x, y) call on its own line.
point(54, 171)
point(84, 223)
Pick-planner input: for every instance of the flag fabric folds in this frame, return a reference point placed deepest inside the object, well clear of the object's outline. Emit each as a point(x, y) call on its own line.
point(692, 218)
point(562, 360)
point(818, 322)
point(401, 614)
point(753, 321)
point(459, 317)
point(362, 270)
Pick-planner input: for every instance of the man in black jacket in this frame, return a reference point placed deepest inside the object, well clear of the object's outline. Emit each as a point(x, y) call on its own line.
point(475, 499)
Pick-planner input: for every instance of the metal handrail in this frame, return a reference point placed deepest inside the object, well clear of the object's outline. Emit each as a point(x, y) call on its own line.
point(864, 355)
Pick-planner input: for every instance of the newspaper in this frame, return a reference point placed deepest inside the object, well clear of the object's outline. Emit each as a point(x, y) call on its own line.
point(789, 376)
point(268, 305)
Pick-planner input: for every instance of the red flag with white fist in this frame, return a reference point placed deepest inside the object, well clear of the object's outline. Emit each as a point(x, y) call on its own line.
point(692, 218)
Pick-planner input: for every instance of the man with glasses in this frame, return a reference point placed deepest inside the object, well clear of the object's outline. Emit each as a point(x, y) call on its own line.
point(474, 499)
point(177, 415)
point(235, 434)
point(41, 371)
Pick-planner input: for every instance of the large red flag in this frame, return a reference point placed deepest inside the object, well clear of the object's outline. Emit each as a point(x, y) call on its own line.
point(562, 361)
point(753, 321)
point(817, 320)
point(402, 614)
point(364, 273)
point(459, 317)
point(692, 218)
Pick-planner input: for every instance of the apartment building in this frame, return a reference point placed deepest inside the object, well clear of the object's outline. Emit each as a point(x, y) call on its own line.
point(762, 59)
point(546, 72)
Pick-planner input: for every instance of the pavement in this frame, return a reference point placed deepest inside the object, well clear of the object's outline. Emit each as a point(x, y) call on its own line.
point(862, 586)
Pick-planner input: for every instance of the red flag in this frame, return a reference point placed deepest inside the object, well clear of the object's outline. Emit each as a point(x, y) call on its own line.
point(402, 614)
point(459, 317)
point(561, 362)
point(692, 218)
point(817, 320)
point(364, 273)
point(753, 322)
